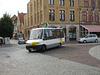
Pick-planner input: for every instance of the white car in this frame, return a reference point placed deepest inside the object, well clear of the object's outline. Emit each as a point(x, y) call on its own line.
point(88, 38)
point(21, 40)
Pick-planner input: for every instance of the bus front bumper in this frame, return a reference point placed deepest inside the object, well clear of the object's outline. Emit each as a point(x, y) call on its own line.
point(35, 47)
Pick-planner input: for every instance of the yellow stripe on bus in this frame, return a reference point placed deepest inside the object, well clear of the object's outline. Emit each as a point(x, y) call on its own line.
point(34, 43)
point(61, 41)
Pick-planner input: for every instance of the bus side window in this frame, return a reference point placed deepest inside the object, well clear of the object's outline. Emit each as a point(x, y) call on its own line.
point(61, 33)
point(45, 36)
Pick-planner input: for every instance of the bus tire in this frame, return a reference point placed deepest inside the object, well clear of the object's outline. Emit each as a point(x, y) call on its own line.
point(43, 48)
point(29, 51)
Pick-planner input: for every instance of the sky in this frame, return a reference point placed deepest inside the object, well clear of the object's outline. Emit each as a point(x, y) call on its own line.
point(13, 6)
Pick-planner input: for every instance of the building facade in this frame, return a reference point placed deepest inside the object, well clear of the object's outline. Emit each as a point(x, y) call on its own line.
point(14, 18)
point(20, 24)
point(70, 15)
point(89, 14)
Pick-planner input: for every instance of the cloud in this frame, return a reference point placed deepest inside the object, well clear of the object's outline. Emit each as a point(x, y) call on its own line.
point(12, 6)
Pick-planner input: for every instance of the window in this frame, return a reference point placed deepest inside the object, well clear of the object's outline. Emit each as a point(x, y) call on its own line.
point(31, 20)
point(90, 16)
point(28, 9)
point(97, 16)
point(92, 3)
point(86, 3)
point(35, 18)
point(28, 21)
point(51, 2)
point(98, 3)
point(38, 17)
point(61, 2)
point(51, 14)
point(25, 22)
point(31, 7)
point(71, 2)
point(37, 4)
point(53, 33)
point(41, 15)
point(72, 16)
point(93, 35)
point(62, 15)
point(84, 16)
point(41, 3)
point(36, 34)
point(48, 34)
point(34, 6)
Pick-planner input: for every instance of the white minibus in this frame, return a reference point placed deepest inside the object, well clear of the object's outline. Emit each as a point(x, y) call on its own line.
point(45, 38)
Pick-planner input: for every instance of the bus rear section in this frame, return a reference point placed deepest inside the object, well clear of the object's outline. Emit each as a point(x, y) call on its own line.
point(45, 38)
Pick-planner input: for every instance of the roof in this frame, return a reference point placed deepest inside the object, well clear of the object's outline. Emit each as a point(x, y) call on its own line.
point(21, 17)
point(92, 28)
point(14, 17)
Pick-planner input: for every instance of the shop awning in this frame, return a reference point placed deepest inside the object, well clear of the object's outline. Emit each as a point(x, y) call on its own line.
point(92, 28)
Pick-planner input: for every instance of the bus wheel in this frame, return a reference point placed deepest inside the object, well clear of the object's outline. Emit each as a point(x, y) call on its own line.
point(43, 48)
point(29, 50)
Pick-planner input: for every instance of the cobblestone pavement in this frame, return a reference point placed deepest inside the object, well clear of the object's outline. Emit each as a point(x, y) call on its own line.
point(76, 53)
point(18, 61)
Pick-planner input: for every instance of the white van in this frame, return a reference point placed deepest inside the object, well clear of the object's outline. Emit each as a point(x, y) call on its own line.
point(45, 38)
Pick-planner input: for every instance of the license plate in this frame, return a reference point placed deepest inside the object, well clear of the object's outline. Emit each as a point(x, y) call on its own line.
point(32, 49)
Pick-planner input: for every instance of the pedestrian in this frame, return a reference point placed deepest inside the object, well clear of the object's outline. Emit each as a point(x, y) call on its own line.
point(1, 42)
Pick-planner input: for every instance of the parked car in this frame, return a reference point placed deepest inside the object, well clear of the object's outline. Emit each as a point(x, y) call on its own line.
point(88, 38)
point(21, 40)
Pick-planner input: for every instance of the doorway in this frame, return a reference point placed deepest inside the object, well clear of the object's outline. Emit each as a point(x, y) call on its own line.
point(72, 33)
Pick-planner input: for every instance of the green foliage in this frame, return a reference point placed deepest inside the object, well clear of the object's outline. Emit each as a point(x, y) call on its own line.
point(6, 26)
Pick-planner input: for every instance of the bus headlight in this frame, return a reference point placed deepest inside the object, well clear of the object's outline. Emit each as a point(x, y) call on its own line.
point(37, 43)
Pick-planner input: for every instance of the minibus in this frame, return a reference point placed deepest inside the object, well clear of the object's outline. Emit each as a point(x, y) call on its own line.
point(45, 38)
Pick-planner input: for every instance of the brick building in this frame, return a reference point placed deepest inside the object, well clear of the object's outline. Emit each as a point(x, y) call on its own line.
point(20, 24)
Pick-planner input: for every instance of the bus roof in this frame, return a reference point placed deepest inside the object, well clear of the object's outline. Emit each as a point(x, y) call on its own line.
point(46, 28)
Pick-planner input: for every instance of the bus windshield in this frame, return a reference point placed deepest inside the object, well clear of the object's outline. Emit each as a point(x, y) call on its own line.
point(36, 34)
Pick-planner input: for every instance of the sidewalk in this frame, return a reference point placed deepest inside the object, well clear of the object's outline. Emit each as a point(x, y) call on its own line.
point(76, 43)
point(95, 52)
point(12, 43)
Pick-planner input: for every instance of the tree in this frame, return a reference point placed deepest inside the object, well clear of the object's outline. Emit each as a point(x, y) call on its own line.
point(6, 26)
